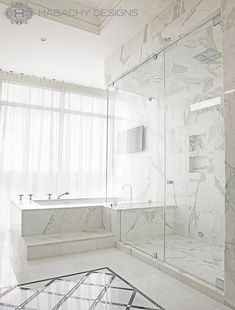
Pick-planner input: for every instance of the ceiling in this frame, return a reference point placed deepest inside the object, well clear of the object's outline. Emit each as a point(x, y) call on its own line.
point(69, 53)
point(81, 14)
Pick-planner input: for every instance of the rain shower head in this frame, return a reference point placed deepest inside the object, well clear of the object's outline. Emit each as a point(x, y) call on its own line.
point(209, 55)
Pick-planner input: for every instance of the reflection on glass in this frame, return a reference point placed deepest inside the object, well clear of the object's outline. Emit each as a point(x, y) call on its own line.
point(176, 208)
point(136, 153)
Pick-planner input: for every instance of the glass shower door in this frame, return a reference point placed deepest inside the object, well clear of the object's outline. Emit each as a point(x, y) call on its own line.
point(136, 159)
point(195, 154)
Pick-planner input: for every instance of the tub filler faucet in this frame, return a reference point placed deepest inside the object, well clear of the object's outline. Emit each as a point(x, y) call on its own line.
point(66, 193)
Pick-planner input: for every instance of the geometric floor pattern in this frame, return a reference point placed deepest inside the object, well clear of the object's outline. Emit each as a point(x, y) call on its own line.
point(100, 289)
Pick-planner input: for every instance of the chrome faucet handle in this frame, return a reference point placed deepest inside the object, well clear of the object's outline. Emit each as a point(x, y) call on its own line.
point(21, 196)
point(30, 197)
point(49, 196)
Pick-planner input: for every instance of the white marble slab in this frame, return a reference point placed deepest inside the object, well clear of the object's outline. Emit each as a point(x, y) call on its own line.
point(175, 20)
point(201, 259)
point(57, 244)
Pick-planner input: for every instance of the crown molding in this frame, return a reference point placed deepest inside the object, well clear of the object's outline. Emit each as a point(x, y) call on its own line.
point(90, 23)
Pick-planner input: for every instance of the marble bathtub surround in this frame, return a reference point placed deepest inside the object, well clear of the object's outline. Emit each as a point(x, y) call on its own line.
point(50, 228)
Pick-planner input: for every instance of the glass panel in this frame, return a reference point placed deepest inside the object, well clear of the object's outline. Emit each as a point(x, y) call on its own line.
point(195, 153)
point(136, 175)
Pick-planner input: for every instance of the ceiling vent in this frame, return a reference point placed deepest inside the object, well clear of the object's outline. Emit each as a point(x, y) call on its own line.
point(209, 55)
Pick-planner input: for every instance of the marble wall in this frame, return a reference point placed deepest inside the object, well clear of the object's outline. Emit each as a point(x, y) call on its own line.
point(129, 111)
point(178, 18)
point(228, 15)
point(195, 137)
point(146, 223)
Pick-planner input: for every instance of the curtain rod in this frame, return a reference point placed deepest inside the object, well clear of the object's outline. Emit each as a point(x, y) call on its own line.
point(89, 90)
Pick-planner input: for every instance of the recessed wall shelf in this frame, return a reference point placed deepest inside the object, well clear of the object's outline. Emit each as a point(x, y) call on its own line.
point(197, 143)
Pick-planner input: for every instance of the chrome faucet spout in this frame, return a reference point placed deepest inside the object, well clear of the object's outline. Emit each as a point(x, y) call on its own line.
point(66, 193)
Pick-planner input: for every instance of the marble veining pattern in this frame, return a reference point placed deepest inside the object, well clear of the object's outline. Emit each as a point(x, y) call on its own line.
point(61, 220)
point(178, 18)
point(203, 260)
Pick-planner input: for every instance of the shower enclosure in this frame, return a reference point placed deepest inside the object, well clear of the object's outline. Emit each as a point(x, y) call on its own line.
point(165, 155)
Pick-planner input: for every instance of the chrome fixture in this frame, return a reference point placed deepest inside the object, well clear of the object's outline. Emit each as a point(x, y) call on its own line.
point(49, 196)
point(30, 197)
point(171, 182)
point(124, 186)
point(21, 196)
point(66, 193)
point(155, 255)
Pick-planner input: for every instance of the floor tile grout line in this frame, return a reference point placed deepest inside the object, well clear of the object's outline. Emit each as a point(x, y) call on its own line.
point(102, 293)
point(83, 298)
point(93, 299)
point(62, 276)
point(76, 286)
point(8, 291)
point(131, 300)
point(14, 306)
point(99, 285)
point(140, 292)
point(21, 306)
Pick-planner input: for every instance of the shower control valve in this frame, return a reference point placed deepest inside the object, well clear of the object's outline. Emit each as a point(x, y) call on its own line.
point(49, 196)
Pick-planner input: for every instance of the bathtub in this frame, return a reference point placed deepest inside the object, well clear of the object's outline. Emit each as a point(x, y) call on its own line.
point(57, 215)
point(44, 228)
point(39, 221)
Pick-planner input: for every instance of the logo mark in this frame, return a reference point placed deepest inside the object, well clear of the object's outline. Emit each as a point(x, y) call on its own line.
point(19, 13)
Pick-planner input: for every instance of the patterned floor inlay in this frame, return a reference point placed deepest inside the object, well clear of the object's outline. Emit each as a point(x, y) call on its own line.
point(100, 289)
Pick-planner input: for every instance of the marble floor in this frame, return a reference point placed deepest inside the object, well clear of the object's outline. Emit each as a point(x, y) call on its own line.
point(170, 293)
point(197, 258)
point(94, 289)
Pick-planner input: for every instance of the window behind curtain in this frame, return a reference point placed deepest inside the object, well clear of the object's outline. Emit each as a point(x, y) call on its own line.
point(51, 141)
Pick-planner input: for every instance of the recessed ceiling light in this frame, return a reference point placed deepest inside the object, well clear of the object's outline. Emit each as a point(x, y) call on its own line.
point(43, 39)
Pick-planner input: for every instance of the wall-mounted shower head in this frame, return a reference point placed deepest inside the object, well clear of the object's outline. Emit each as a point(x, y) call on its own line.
point(209, 55)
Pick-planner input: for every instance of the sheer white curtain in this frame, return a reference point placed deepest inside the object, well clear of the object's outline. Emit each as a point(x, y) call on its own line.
point(52, 139)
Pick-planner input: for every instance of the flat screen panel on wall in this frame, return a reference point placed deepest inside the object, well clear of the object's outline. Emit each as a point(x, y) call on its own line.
point(131, 140)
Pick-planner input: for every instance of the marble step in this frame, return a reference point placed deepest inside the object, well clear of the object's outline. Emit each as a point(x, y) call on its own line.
point(56, 244)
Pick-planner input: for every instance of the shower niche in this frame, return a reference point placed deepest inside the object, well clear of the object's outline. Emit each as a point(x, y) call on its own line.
point(197, 144)
point(198, 161)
